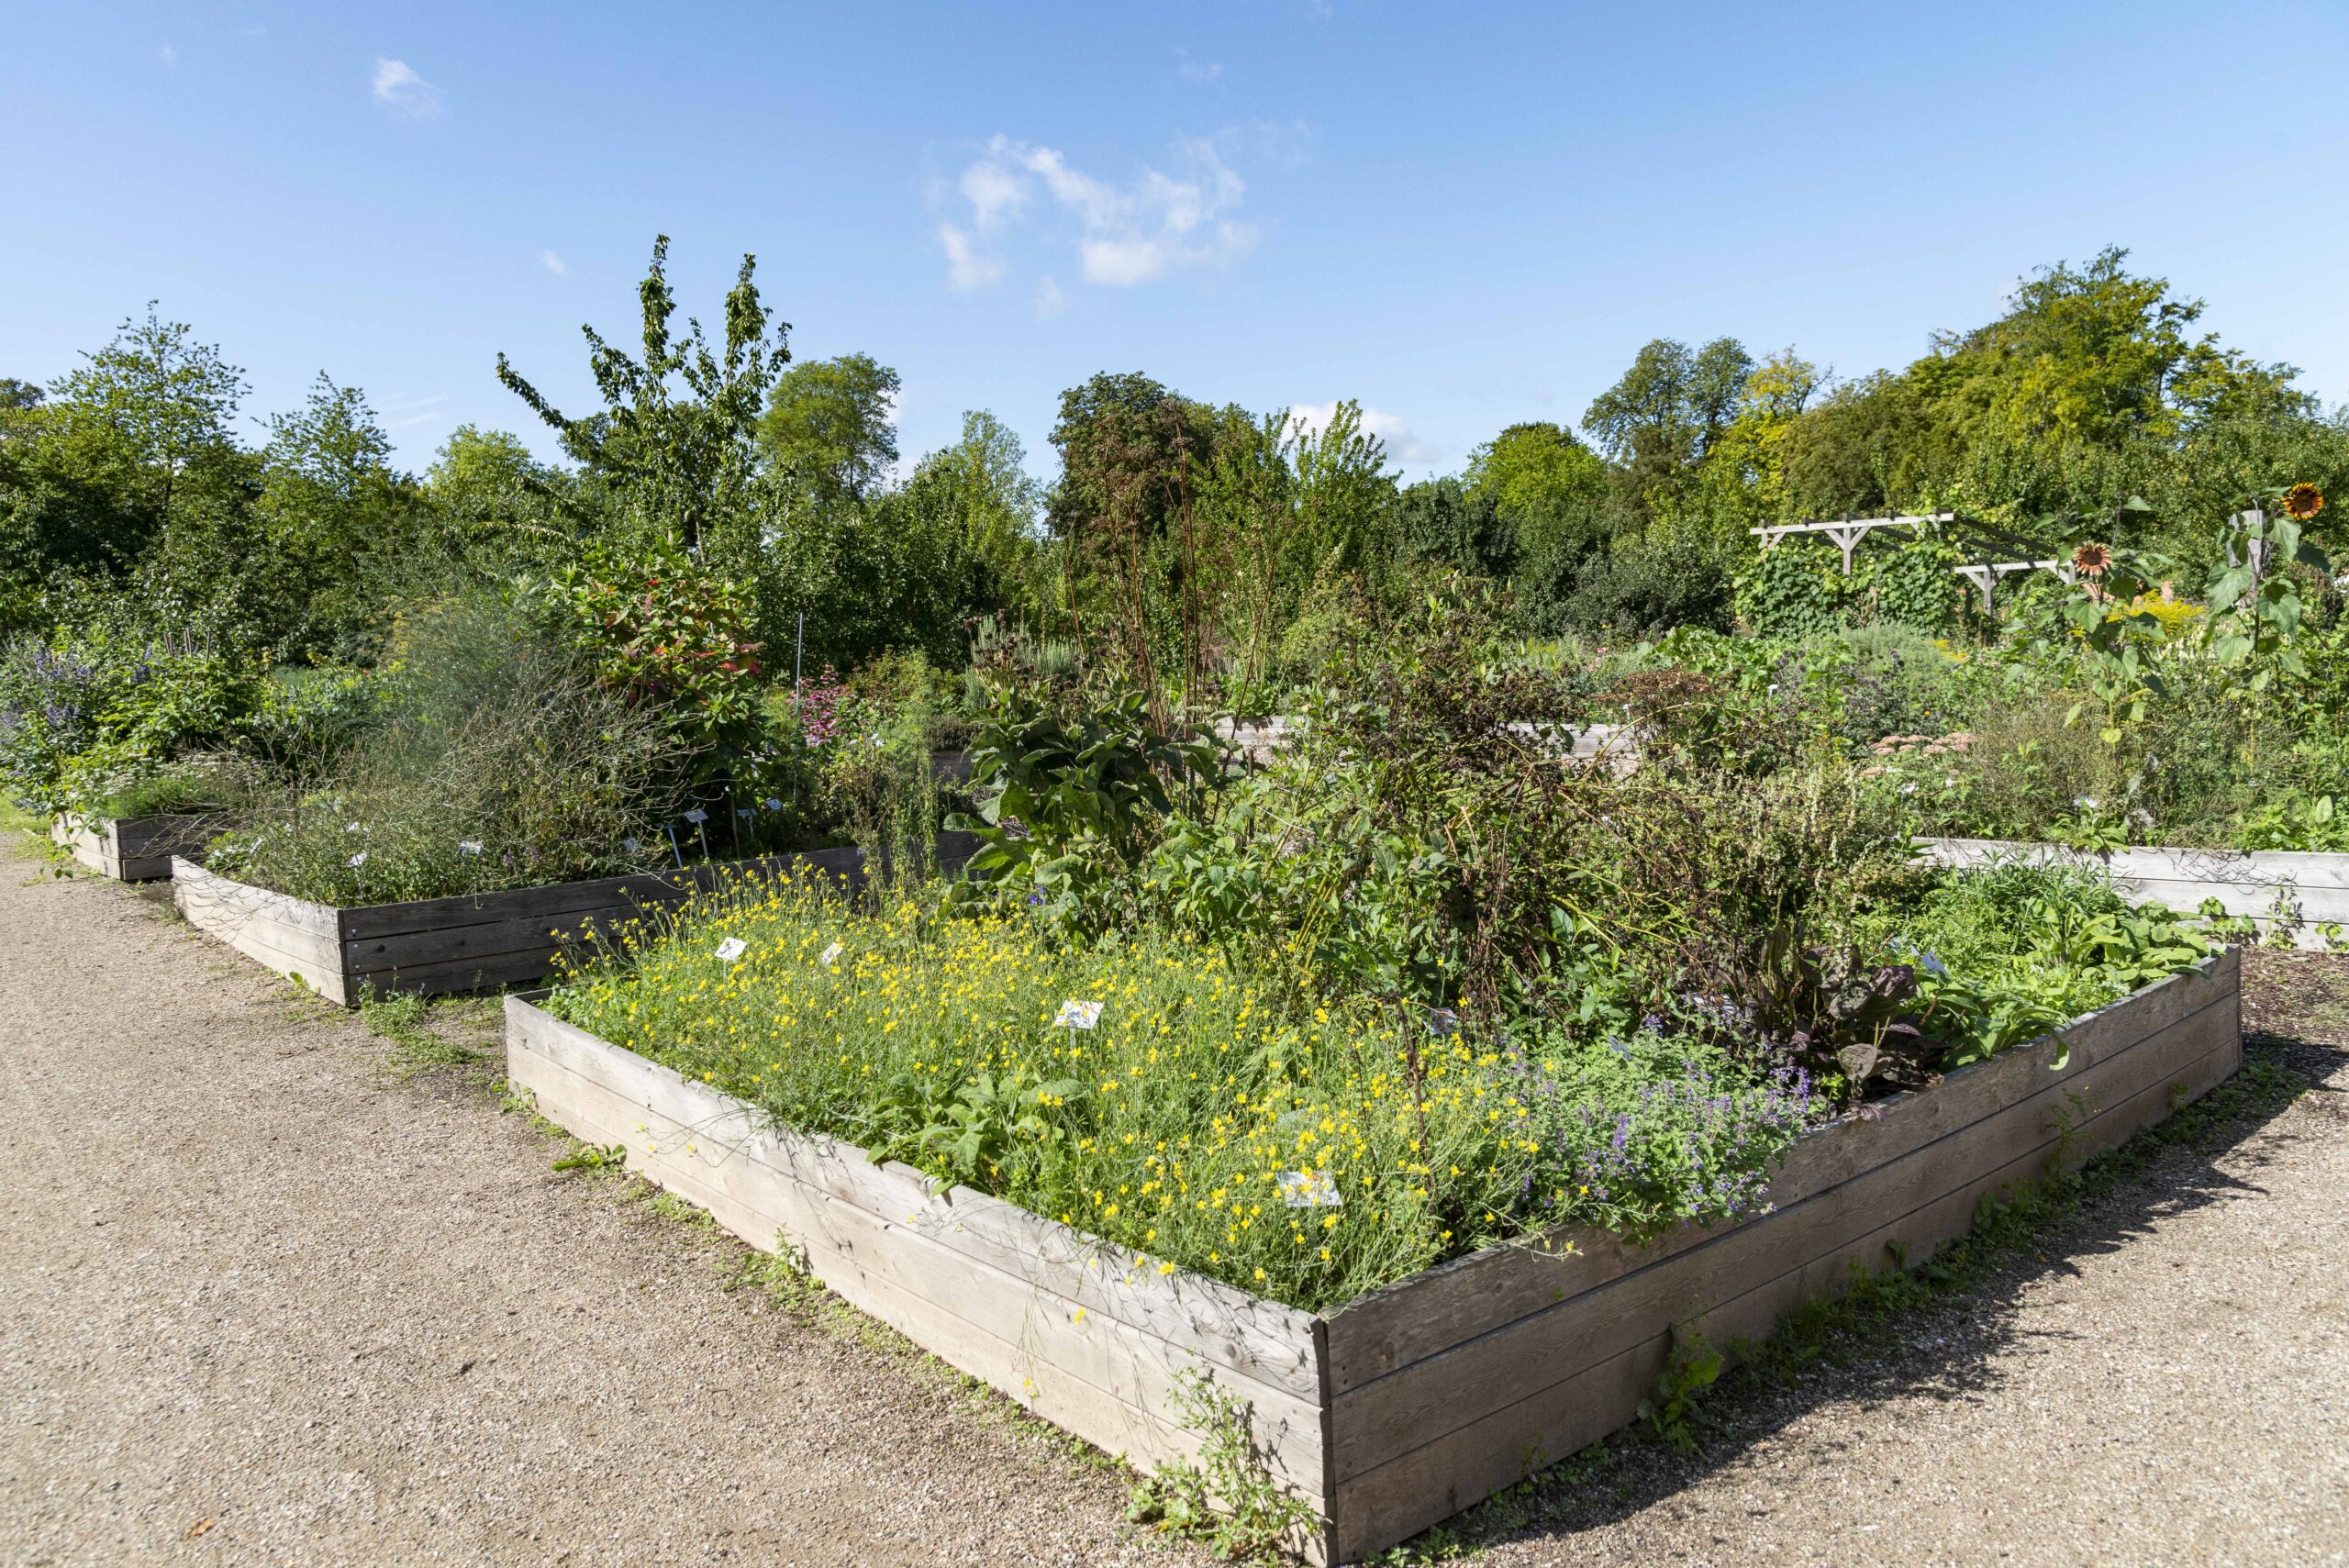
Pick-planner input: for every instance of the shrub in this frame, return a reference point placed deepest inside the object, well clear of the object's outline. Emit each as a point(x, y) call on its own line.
point(499, 761)
point(88, 714)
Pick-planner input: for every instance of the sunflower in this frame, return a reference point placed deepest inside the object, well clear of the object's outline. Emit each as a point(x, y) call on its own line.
point(2302, 502)
point(2090, 559)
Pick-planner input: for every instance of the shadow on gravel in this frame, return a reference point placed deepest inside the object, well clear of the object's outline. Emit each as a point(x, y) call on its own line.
point(1938, 1332)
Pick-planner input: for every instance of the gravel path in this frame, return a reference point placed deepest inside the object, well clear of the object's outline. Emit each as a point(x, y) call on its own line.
point(266, 1302)
point(269, 1300)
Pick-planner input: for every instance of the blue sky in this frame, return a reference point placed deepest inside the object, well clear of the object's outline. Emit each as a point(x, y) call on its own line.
point(1462, 215)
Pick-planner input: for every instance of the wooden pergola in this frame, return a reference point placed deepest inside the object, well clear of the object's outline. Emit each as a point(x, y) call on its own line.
point(1846, 533)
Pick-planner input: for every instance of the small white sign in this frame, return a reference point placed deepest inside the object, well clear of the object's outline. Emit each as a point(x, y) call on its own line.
point(358, 860)
point(1310, 1189)
point(830, 955)
point(732, 949)
point(1075, 1015)
point(697, 817)
point(774, 804)
point(469, 846)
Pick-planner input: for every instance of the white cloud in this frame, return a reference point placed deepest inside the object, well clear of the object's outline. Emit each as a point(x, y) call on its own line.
point(1049, 301)
point(1402, 444)
point(966, 266)
point(414, 411)
point(398, 83)
point(993, 191)
point(1193, 70)
point(1126, 233)
point(554, 263)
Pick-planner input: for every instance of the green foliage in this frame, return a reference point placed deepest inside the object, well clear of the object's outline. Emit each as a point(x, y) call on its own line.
point(1798, 588)
point(496, 760)
point(1671, 1410)
point(675, 439)
point(674, 636)
point(88, 716)
point(830, 425)
point(1064, 799)
point(2008, 952)
point(1648, 585)
point(1226, 1497)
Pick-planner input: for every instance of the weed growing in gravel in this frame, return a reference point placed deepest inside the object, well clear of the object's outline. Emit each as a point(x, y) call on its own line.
point(1228, 1498)
point(406, 1022)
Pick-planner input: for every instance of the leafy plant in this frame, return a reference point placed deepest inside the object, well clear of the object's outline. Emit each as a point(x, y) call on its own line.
point(1065, 801)
point(1228, 1498)
point(1691, 1367)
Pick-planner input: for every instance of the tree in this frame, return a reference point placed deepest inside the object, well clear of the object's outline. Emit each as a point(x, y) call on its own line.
point(133, 443)
point(1664, 416)
point(830, 423)
point(1125, 439)
point(1550, 490)
point(1345, 494)
point(16, 394)
point(334, 519)
point(1744, 483)
point(154, 405)
point(1443, 522)
point(1132, 572)
point(681, 461)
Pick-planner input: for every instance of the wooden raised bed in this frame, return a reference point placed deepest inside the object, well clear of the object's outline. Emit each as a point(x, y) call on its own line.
point(129, 849)
point(472, 942)
point(2292, 895)
point(1405, 1406)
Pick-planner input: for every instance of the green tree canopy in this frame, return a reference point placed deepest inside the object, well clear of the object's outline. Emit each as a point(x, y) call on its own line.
point(831, 425)
point(675, 440)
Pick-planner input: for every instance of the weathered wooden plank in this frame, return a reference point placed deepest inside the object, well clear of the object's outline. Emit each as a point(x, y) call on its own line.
point(85, 839)
point(1032, 1341)
point(1392, 1326)
point(1397, 1412)
point(131, 848)
point(646, 889)
point(407, 952)
point(1261, 1341)
point(1017, 1365)
point(416, 952)
point(1394, 1500)
point(280, 933)
point(2246, 883)
point(488, 972)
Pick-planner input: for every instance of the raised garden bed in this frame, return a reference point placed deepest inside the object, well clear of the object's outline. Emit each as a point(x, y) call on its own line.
point(2300, 896)
point(472, 942)
point(129, 849)
point(1409, 1404)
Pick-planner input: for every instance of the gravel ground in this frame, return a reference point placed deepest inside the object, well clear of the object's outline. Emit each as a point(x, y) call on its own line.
point(271, 1299)
point(268, 1301)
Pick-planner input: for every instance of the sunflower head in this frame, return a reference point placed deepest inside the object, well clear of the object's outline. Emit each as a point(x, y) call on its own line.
point(2302, 502)
point(2090, 559)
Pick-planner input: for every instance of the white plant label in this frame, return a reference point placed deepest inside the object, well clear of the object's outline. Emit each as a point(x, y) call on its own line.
point(830, 955)
point(732, 949)
point(697, 817)
point(469, 846)
point(1310, 1189)
point(1075, 1015)
point(358, 860)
